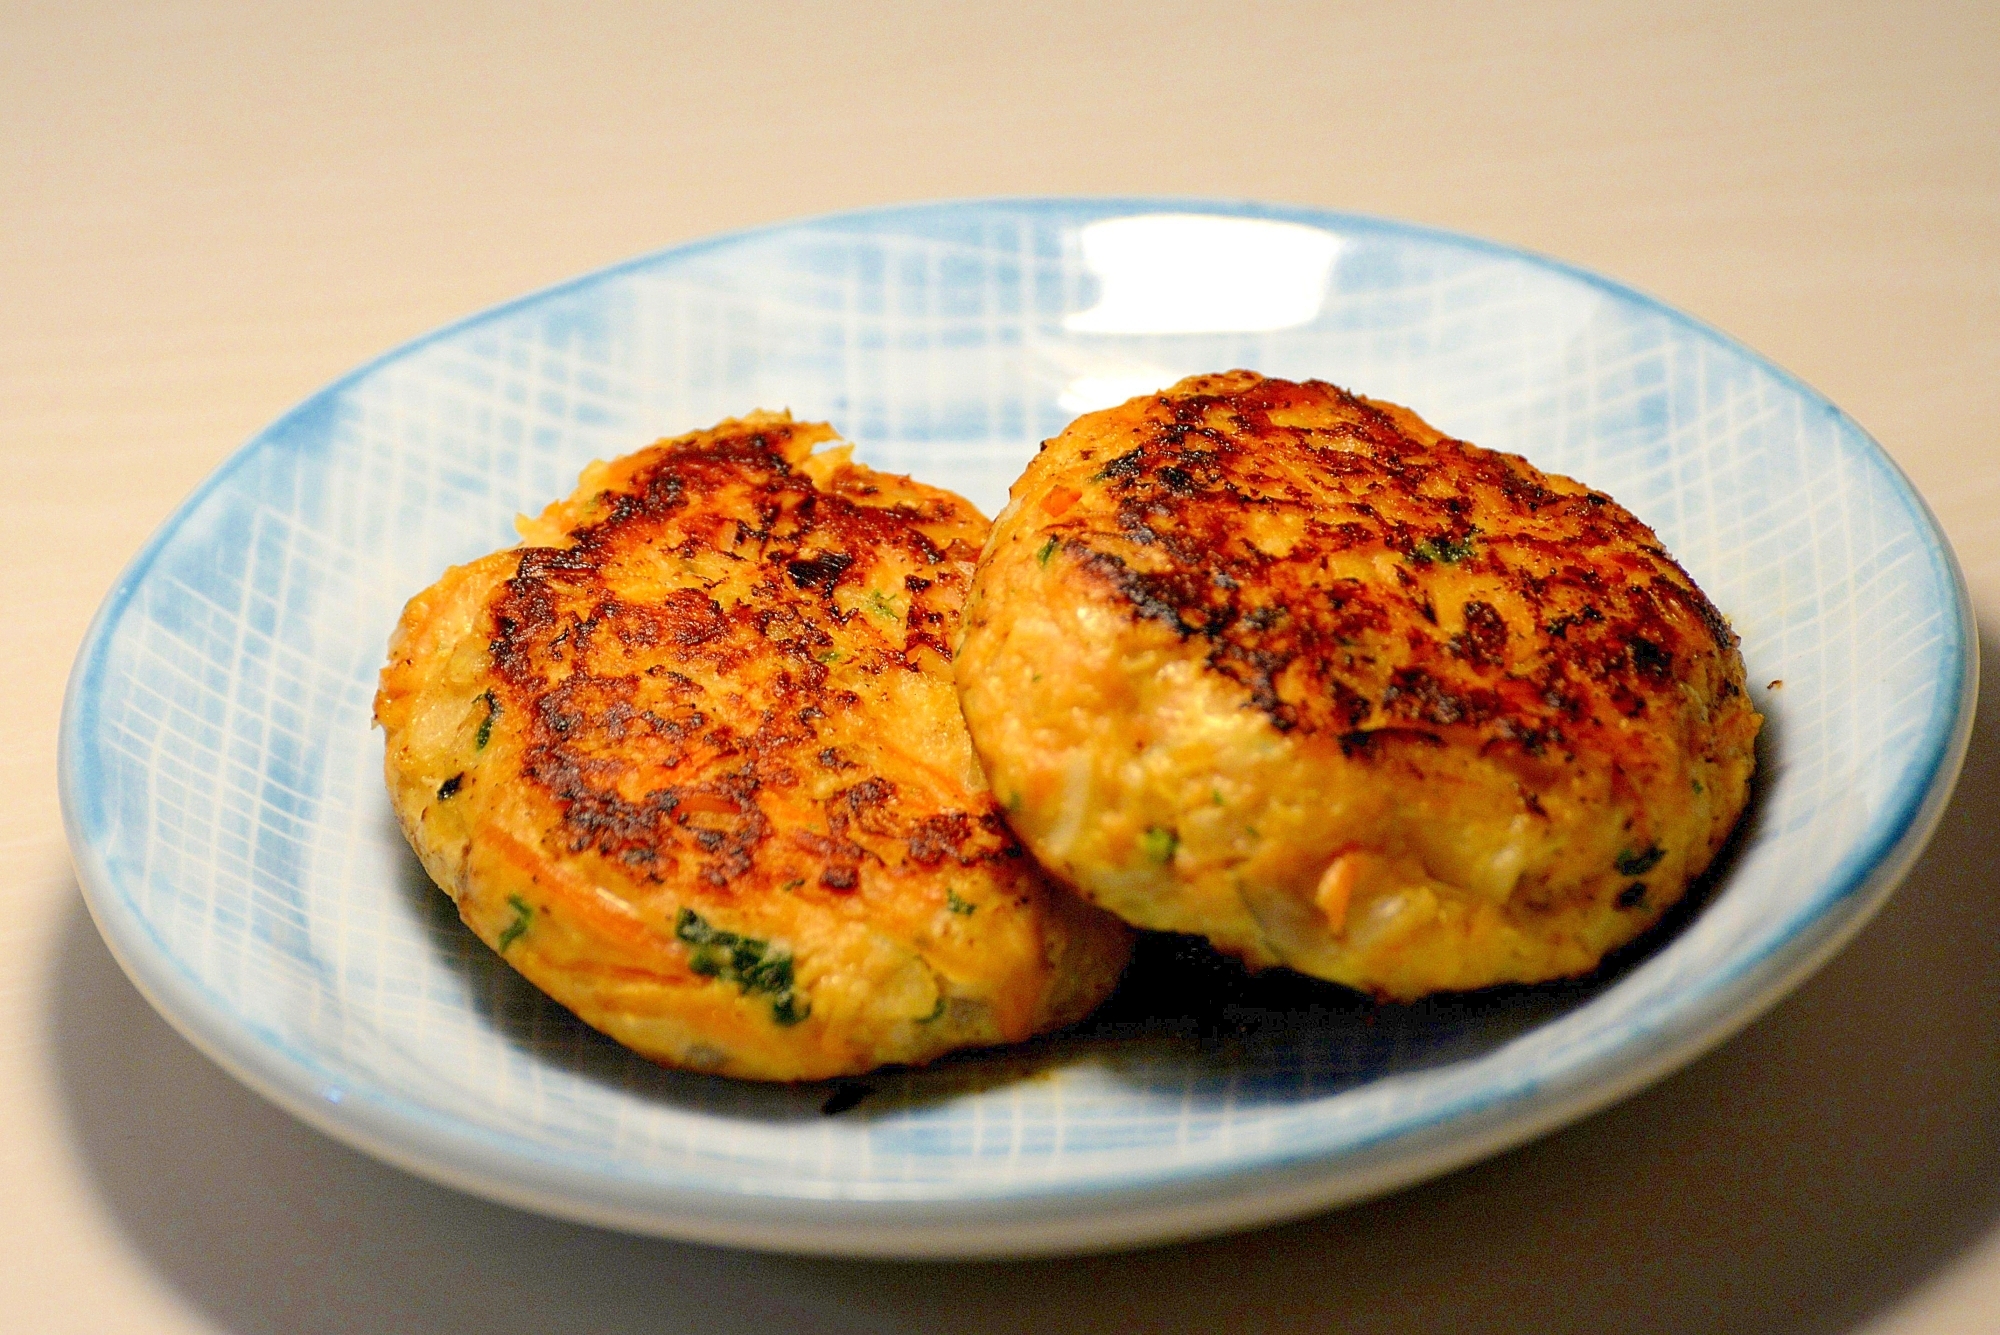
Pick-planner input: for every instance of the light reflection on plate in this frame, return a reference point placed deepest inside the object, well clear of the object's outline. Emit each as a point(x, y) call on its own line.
point(1194, 273)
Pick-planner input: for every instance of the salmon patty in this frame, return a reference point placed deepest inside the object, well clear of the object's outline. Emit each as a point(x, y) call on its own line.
point(691, 761)
point(1289, 669)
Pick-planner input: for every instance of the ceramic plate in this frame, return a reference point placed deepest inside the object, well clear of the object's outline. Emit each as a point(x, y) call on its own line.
point(223, 793)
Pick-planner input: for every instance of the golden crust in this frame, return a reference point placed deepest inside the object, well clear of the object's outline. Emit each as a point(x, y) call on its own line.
point(1289, 669)
point(691, 761)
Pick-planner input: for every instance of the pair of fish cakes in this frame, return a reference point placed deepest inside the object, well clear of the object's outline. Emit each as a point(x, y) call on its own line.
point(770, 765)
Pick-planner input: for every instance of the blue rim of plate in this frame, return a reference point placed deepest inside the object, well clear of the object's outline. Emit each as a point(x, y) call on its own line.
point(1031, 1218)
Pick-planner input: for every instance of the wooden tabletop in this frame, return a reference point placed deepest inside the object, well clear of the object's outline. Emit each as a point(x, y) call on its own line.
point(207, 211)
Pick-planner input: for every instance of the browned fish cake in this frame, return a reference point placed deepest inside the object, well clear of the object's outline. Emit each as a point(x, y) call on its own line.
point(1289, 669)
point(691, 761)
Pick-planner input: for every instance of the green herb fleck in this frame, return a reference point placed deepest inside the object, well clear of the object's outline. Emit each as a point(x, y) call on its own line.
point(1048, 550)
point(752, 964)
point(485, 733)
point(1638, 864)
point(936, 1011)
point(1216, 793)
point(1696, 783)
point(520, 924)
point(963, 908)
point(1014, 803)
point(793, 885)
point(830, 656)
point(882, 605)
point(1444, 549)
point(788, 1010)
point(1160, 843)
point(1632, 896)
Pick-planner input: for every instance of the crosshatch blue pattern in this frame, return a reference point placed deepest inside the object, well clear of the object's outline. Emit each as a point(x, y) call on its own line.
point(223, 783)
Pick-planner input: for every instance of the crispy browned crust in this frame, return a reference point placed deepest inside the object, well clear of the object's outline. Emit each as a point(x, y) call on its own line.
point(1434, 635)
point(1584, 621)
point(710, 704)
point(684, 738)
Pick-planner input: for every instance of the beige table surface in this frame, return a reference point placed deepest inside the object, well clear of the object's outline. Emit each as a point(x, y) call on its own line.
point(206, 212)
